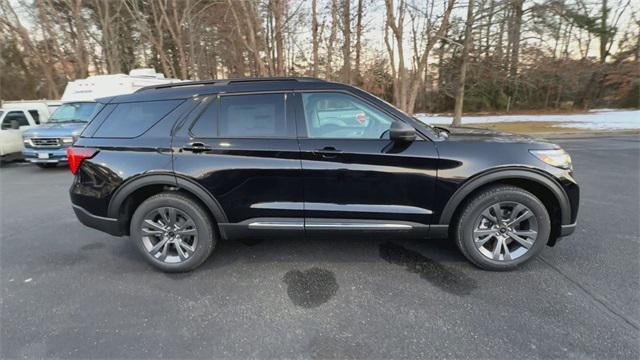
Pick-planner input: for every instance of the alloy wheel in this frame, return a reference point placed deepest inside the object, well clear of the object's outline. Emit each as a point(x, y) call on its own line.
point(505, 231)
point(169, 235)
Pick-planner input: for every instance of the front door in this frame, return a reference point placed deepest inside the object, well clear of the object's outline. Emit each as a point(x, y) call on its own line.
point(355, 178)
point(242, 148)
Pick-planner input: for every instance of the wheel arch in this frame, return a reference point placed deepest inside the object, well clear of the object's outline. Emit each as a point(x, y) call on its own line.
point(134, 191)
point(536, 182)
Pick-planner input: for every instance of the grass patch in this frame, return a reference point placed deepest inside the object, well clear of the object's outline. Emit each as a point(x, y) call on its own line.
point(529, 127)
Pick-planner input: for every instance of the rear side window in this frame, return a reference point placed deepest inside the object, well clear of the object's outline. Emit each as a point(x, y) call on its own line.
point(35, 115)
point(259, 115)
point(130, 120)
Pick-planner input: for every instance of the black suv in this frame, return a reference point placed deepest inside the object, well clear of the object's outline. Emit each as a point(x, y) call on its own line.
point(179, 167)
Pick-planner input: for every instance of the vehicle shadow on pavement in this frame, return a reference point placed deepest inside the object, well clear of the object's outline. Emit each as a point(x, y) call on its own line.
point(436, 261)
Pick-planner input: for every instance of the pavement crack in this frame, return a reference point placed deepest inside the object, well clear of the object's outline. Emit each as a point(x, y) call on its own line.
point(595, 297)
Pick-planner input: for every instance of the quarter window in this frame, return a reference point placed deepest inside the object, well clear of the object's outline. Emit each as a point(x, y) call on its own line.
point(343, 116)
point(257, 115)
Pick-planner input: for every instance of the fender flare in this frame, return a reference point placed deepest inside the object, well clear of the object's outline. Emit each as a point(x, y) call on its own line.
point(503, 174)
point(197, 190)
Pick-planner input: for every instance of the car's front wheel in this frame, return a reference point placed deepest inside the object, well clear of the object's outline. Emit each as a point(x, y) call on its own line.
point(173, 232)
point(502, 227)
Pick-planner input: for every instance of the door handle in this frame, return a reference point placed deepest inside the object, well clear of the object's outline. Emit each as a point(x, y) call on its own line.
point(196, 147)
point(327, 152)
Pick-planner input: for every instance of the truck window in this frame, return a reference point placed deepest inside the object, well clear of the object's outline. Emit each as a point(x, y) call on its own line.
point(35, 115)
point(73, 112)
point(17, 116)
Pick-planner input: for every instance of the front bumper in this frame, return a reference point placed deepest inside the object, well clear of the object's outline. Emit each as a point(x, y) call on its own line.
point(105, 224)
point(45, 155)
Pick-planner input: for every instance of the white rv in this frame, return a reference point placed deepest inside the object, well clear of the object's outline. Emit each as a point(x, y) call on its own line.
point(98, 86)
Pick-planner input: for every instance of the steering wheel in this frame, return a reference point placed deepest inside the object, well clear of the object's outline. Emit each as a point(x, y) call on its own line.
point(384, 133)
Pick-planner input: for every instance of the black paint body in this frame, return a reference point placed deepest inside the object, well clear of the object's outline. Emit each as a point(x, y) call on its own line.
point(302, 180)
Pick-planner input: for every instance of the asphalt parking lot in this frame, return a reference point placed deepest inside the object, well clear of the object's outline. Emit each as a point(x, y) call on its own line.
point(72, 292)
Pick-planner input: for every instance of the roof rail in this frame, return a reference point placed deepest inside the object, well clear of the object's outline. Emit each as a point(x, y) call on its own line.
point(222, 82)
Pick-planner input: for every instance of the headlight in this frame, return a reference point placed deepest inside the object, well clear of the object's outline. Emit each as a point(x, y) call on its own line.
point(558, 158)
point(67, 140)
point(27, 141)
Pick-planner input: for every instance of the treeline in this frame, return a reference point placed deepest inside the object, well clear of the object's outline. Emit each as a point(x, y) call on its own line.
point(422, 55)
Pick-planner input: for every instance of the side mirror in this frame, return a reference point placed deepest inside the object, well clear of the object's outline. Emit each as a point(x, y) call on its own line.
point(402, 132)
point(15, 125)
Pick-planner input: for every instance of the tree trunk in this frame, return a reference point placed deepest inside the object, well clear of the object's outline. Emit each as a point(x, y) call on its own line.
point(359, 31)
point(315, 37)
point(457, 114)
point(514, 34)
point(278, 14)
point(346, 45)
point(332, 38)
point(604, 32)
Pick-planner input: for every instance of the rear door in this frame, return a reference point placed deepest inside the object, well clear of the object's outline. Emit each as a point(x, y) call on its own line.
point(242, 148)
point(355, 178)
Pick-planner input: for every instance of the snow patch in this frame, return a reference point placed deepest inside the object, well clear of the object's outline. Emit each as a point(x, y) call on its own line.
point(598, 119)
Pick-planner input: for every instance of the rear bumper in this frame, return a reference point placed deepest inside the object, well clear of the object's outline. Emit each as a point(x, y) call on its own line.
point(105, 224)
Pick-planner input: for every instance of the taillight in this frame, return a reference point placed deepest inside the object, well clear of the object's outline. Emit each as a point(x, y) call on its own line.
point(76, 155)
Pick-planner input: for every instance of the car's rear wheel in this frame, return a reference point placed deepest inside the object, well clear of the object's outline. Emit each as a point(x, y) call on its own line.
point(502, 227)
point(173, 232)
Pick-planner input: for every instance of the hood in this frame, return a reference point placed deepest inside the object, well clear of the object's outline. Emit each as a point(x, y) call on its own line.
point(485, 135)
point(55, 130)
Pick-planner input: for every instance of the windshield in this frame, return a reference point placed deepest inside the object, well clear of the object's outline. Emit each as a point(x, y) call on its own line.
point(73, 112)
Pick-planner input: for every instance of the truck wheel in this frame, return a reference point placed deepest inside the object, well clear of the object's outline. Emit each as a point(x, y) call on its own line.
point(502, 227)
point(173, 232)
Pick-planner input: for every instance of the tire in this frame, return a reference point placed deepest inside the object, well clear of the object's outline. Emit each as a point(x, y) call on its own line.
point(46, 165)
point(169, 256)
point(479, 234)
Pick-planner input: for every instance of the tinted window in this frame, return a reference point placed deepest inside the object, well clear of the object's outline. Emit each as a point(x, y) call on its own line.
point(339, 115)
point(129, 120)
point(260, 115)
point(35, 115)
point(205, 126)
point(14, 116)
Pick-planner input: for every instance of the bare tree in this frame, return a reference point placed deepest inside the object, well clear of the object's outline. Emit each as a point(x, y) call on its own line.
point(315, 36)
point(332, 38)
point(278, 14)
point(359, 31)
point(468, 33)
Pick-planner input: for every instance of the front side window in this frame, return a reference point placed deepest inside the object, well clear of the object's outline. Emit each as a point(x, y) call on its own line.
point(14, 116)
point(257, 115)
point(343, 116)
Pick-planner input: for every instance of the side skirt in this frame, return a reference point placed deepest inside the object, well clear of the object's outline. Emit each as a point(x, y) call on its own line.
point(320, 227)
